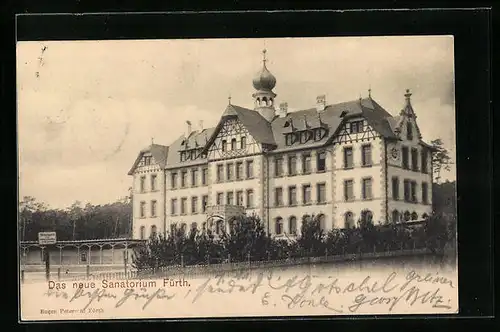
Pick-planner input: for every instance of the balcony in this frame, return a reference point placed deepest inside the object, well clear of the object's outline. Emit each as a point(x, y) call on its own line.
point(225, 211)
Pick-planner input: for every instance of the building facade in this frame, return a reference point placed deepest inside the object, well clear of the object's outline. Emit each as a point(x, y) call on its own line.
point(341, 162)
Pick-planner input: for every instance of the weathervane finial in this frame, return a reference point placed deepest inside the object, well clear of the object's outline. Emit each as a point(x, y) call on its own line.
point(264, 59)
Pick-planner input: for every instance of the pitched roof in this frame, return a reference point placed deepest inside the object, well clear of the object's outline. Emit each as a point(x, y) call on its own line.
point(159, 153)
point(195, 139)
point(272, 133)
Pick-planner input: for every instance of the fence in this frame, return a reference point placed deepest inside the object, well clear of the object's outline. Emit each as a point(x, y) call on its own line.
point(205, 270)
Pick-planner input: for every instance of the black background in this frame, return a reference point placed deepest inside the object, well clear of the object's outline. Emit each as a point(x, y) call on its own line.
point(474, 126)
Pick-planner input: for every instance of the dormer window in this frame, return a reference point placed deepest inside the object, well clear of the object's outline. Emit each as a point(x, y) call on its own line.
point(409, 131)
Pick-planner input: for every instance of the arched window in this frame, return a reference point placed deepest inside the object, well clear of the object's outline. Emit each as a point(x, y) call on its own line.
point(322, 221)
point(425, 216)
point(153, 231)
point(194, 226)
point(414, 216)
point(367, 216)
point(224, 145)
point(279, 226)
point(349, 220)
point(395, 216)
point(233, 144)
point(407, 216)
point(243, 143)
point(142, 232)
point(270, 103)
point(292, 225)
point(219, 227)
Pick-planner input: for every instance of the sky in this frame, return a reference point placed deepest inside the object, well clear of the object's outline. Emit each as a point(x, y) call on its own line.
point(86, 108)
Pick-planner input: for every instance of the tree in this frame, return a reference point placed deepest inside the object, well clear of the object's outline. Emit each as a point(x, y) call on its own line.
point(440, 159)
point(246, 236)
point(311, 237)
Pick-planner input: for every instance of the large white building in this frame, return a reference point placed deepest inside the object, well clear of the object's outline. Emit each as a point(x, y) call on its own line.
point(342, 162)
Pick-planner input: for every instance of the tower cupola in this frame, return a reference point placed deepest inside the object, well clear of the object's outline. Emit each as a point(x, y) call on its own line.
point(264, 83)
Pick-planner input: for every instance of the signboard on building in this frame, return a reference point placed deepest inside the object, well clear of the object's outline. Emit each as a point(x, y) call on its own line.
point(45, 238)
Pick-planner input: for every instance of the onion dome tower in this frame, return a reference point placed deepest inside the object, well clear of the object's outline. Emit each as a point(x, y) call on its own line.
point(264, 83)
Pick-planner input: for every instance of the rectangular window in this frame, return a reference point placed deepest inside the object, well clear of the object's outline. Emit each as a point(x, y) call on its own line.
point(306, 163)
point(153, 182)
point(204, 203)
point(142, 211)
point(348, 162)
point(367, 188)
point(424, 161)
point(243, 142)
point(409, 131)
point(321, 162)
point(406, 185)
point(414, 159)
point(224, 145)
point(356, 127)
point(229, 171)
point(406, 163)
point(143, 184)
point(173, 182)
point(366, 156)
point(414, 192)
point(184, 175)
point(220, 198)
point(194, 177)
point(306, 194)
point(173, 206)
point(250, 203)
point(153, 208)
point(233, 144)
point(230, 198)
point(278, 166)
point(321, 193)
point(395, 188)
point(425, 193)
point(194, 204)
point(292, 195)
point(278, 197)
point(292, 165)
point(183, 205)
point(239, 198)
point(239, 170)
point(249, 169)
point(220, 173)
point(204, 176)
point(348, 190)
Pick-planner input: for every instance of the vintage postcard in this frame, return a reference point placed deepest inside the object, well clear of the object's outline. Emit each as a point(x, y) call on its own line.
point(236, 178)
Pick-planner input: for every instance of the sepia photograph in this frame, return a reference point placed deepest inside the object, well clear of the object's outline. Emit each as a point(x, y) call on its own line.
point(246, 177)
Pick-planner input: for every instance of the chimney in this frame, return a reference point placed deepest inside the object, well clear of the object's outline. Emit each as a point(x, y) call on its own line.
point(283, 111)
point(188, 128)
point(320, 103)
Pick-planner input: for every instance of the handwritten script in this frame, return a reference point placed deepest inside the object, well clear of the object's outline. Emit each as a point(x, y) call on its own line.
point(328, 294)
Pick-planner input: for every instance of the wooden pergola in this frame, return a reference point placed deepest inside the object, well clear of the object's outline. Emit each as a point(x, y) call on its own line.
point(83, 246)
